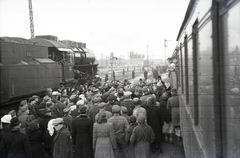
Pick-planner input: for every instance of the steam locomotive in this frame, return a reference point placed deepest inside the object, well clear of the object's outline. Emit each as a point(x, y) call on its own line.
point(209, 78)
point(31, 66)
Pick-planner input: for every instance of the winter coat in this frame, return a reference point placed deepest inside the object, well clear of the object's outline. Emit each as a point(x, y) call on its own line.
point(166, 116)
point(36, 139)
point(128, 103)
point(67, 121)
point(43, 124)
point(120, 125)
point(62, 144)
point(173, 107)
point(104, 140)
point(144, 99)
point(129, 131)
point(141, 139)
point(82, 132)
point(15, 145)
point(93, 112)
point(154, 120)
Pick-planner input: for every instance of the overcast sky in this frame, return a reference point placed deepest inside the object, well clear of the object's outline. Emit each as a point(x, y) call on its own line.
point(117, 26)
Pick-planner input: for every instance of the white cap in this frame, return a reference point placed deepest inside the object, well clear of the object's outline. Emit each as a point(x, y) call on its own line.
point(80, 102)
point(73, 107)
point(6, 118)
point(127, 93)
point(56, 93)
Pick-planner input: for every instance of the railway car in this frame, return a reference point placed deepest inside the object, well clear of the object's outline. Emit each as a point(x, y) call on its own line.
point(209, 78)
point(31, 66)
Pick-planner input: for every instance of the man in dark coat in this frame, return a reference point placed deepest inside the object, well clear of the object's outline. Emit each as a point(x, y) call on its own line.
point(82, 134)
point(15, 144)
point(94, 109)
point(154, 119)
point(62, 140)
point(43, 124)
point(146, 94)
point(128, 103)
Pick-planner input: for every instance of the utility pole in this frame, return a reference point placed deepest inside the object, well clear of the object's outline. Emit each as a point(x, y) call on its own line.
point(31, 18)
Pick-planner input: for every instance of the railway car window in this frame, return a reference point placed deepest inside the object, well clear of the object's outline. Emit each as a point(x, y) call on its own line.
point(186, 68)
point(205, 76)
point(190, 75)
point(231, 69)
point(181, 68)
point(195, 71)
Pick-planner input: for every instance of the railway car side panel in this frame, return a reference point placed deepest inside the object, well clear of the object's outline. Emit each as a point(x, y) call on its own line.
point(13, 53)
point(19, 80)
point(231, 80)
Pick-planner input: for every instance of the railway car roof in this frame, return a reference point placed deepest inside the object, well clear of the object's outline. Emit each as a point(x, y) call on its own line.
point(186, 18)
point(48, 43)
point(16, 40)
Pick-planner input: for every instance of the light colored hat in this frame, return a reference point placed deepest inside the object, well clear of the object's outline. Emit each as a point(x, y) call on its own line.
point(6, 118)
point(73, 107)
point(49, 90)
point(141, 118)
point(57, 121)
point(23, 102)
point(81, 96)
point(97, 100)
point(72, 96)
point(56, 93)
point(124, 109)
point(101, 105)
point(80, 102)
point(116, 108)
point(127, 93)
point(66, 110)
point(46, 98)
point(144, 89)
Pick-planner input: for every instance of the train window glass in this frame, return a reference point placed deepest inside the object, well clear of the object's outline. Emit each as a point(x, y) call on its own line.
point(231, 109)
point(183, 68)
point(205, 77)
point(195, 71)
point(190, 76)
point(186, 68)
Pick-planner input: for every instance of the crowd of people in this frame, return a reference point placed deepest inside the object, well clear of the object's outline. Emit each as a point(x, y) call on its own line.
point(101, 120)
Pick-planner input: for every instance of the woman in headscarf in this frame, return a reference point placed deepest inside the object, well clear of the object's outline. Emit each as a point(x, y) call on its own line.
point(104, 142)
